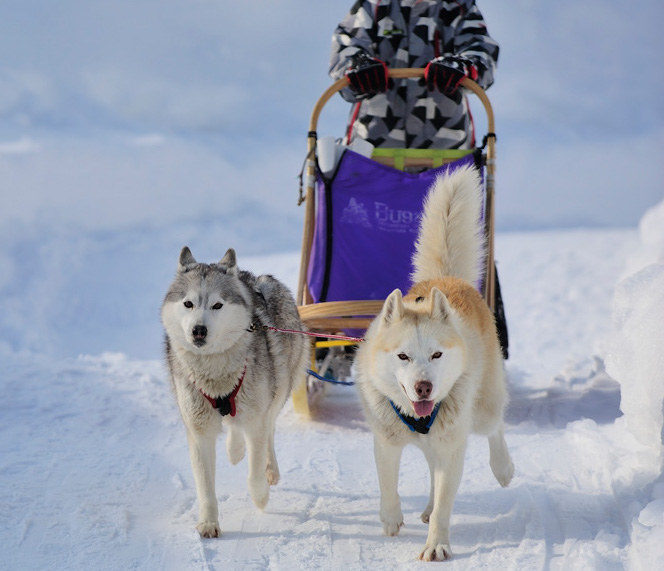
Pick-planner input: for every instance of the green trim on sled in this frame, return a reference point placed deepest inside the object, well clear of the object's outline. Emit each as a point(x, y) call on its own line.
point(437, 156)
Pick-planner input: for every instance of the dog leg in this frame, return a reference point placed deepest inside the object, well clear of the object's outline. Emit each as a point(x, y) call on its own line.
point(257, 443)
point(499, 458)
point(235, 445)
point(388, 459)
point(202, 454)
point(272, 468)
point(447, 476)
point(426, 514)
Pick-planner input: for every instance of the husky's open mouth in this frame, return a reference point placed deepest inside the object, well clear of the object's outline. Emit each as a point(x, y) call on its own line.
point(421, 407)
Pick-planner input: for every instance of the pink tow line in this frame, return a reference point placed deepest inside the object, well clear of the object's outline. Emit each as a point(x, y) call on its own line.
point(311, 334)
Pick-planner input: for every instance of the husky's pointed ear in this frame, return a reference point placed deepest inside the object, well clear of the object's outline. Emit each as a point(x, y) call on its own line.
point(393, 309)
point(229, 261)
point(186, 259)
point(440, 306)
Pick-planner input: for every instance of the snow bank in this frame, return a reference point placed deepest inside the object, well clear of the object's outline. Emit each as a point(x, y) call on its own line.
point(635, 358)
point(634, 351)
point(651, 234)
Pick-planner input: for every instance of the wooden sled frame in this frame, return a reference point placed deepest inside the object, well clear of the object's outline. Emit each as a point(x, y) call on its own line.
point(328, 318)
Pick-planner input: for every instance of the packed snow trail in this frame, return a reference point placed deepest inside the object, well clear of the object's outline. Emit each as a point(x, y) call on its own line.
point(94, 470)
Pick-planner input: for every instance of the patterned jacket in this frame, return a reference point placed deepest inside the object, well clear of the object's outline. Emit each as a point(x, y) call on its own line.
point(410, 33)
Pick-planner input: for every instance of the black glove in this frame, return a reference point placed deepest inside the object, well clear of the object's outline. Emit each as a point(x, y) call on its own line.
point(445, 73)
point(367, 76)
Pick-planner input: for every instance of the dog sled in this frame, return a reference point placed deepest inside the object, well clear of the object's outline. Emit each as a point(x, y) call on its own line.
point(361, 220)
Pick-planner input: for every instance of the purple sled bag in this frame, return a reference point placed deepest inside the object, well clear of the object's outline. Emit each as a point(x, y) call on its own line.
point(367, 221)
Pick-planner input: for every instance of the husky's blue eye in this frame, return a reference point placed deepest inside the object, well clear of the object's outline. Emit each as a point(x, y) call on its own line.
point(188, 304)
point(403, 357)
point(218, 305)
point(436, 355)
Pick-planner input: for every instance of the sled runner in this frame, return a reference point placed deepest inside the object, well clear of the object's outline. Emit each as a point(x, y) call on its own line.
point(361, 220)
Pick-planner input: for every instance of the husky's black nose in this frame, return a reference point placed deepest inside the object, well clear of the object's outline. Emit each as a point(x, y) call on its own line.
point(199, 333)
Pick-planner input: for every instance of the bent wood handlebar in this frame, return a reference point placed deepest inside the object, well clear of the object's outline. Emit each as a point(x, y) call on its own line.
point(400, 73)
point(303, 296)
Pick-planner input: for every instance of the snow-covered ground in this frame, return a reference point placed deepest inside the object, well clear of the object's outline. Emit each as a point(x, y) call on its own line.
point(130, 129)
point(94, 471)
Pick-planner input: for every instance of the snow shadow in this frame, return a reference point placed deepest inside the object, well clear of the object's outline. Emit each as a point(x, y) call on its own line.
point(550, 516)
point(595, 397)
point(83, 465)
point(339, 405)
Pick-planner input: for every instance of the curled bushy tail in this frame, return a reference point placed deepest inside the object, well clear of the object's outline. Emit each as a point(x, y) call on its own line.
point(451, 238)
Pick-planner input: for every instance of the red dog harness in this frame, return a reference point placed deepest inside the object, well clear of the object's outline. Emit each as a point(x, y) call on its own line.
point(226, 405)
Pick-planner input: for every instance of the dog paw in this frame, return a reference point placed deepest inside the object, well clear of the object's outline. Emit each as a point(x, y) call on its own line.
point(426, 514)
point(439, 552)
point(209, 529)
point(391, 528)
point(235, 448)
point(272, 476)
point(504, 473)
point(392, 519)
point(499, 459)
point(260, 493)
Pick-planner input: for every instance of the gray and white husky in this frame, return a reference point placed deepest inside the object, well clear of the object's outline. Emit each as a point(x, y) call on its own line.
point(228, 369)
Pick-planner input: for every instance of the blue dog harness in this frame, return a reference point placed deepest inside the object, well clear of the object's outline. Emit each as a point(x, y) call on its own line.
point(421, 424)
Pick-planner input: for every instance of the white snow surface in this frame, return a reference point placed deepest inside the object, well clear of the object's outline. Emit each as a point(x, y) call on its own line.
point(128, 130)
point(94, 471)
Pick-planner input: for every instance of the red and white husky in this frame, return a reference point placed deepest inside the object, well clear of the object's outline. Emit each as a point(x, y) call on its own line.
point(431, 370)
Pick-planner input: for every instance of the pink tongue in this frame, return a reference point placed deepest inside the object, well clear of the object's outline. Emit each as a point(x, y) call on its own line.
point(423, 407)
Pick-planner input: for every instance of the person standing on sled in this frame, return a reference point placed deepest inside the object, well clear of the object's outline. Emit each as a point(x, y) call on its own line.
point(450, 41)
